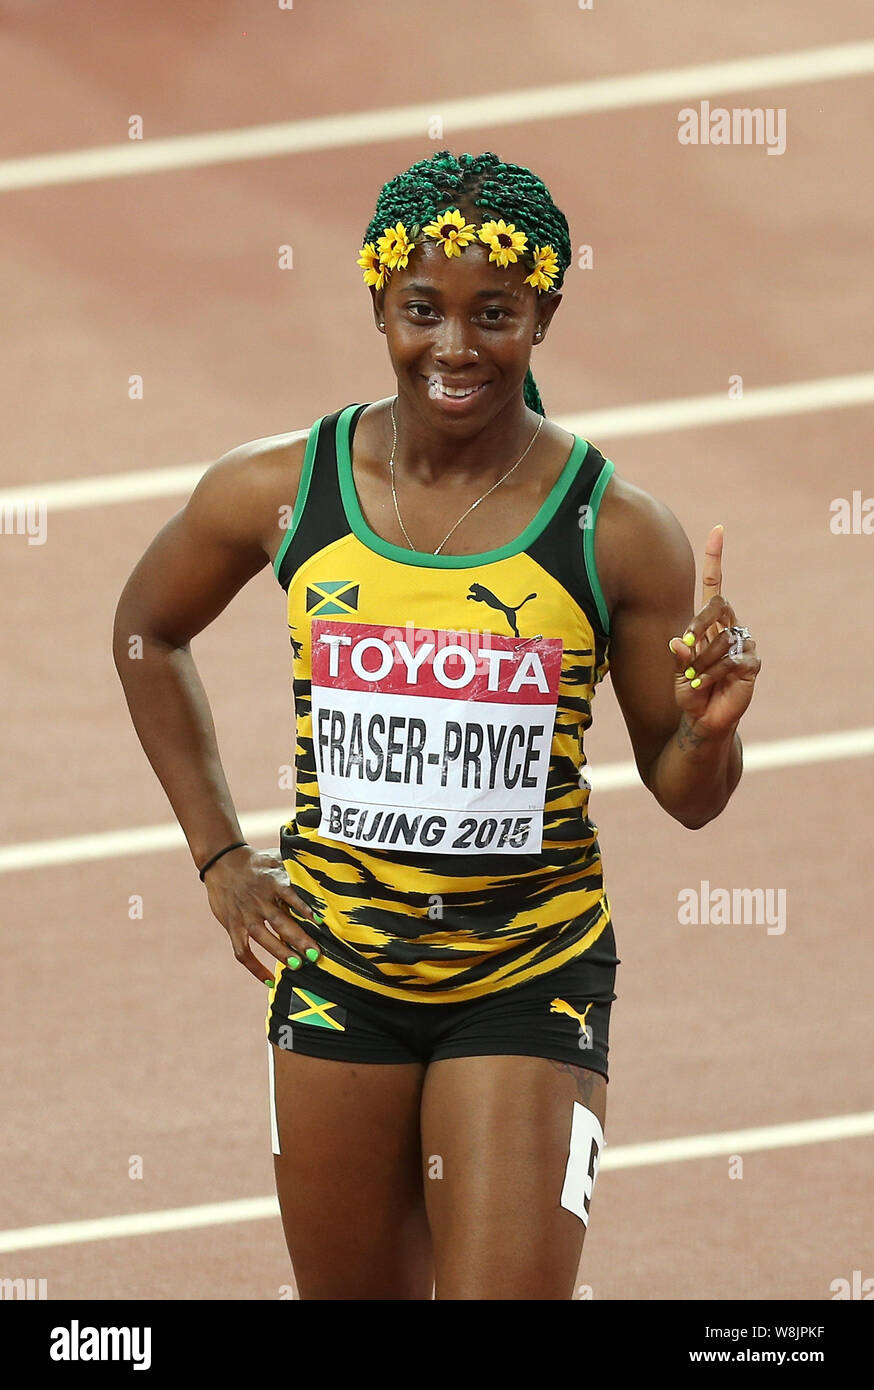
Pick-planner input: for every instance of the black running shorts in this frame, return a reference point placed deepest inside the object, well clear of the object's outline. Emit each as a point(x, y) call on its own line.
point(563, 1015)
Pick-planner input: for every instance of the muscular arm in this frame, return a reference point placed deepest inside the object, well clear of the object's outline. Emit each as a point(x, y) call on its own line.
point(650, 570)
point(193, 568)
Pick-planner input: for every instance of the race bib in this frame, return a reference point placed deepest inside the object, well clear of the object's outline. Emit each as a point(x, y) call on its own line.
point(437, 742)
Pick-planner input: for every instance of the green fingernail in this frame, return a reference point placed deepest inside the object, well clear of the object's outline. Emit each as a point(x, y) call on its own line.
point(689, 672)
point(695, 683)
point(319, 919)
point(294, 962)
point(689, 639)
point(271, 984)
point(312, 953)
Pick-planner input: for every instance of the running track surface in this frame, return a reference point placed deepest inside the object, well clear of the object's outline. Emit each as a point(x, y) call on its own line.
point(144, 1037)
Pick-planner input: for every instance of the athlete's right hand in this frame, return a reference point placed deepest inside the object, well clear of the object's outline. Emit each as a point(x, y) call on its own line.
point(251, 896)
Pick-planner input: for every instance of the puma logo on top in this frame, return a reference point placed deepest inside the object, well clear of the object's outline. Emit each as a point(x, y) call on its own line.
point(480, 594)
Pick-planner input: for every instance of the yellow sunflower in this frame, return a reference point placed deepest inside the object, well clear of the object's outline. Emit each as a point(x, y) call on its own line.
point(394, 247)
point(451, 230)
point(545, 268)
point(504, 241)
point(374, 271)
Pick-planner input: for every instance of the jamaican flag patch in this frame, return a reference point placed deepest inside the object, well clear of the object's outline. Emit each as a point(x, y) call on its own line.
point(332, 596)
point(306, 1007)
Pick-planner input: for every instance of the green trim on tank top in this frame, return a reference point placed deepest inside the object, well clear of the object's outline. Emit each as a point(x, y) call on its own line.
point(424, 559)
point(589, 543)
point(302, 493)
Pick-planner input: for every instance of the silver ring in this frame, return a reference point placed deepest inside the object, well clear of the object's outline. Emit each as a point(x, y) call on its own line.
point(738, 634)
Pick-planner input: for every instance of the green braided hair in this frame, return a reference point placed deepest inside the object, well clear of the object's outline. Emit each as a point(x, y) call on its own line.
point(510, 191)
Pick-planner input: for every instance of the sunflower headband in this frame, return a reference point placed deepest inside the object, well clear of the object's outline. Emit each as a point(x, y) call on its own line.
point(392, 250)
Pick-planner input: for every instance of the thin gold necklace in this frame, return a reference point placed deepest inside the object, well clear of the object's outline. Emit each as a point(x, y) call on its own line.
point(391, 465)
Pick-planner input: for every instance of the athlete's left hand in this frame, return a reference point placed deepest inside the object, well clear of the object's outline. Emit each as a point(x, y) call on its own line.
point(725, 683)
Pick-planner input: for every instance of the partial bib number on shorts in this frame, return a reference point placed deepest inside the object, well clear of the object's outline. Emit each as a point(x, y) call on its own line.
point(584, 1160)
point(402, 829)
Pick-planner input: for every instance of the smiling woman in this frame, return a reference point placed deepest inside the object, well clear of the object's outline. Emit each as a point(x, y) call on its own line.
point(438, 1034)
point(512, 215)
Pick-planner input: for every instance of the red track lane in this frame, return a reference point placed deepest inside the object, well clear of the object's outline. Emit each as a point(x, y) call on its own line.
point(144, 1037)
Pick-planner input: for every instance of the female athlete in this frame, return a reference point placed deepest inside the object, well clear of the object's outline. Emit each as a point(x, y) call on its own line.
point(461, 573)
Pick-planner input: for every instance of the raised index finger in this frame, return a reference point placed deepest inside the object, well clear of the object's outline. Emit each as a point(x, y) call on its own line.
point(711, 574)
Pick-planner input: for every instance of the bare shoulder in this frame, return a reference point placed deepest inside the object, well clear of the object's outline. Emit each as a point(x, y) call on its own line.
point(246, 495)
point(639, 544)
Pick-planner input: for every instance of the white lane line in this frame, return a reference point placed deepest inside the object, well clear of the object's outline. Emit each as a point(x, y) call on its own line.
point(768, 71)
point(615, 422)
point(264, 825)
point(809, 748)
point(109, 487)
point(741, 1141)
point(139, 1224)
point(692, 1146)
point(691, 412)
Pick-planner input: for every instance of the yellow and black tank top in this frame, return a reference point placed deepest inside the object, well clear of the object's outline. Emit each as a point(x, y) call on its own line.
point(440, 825)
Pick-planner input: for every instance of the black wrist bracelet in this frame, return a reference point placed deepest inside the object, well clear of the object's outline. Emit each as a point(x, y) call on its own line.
point(241, 844)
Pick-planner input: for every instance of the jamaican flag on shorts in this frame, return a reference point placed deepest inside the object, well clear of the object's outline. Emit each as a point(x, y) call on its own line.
point(306, 1007)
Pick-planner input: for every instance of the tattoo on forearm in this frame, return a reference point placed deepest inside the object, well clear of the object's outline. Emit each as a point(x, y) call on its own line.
point(585, 1078)
point(686, 735)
